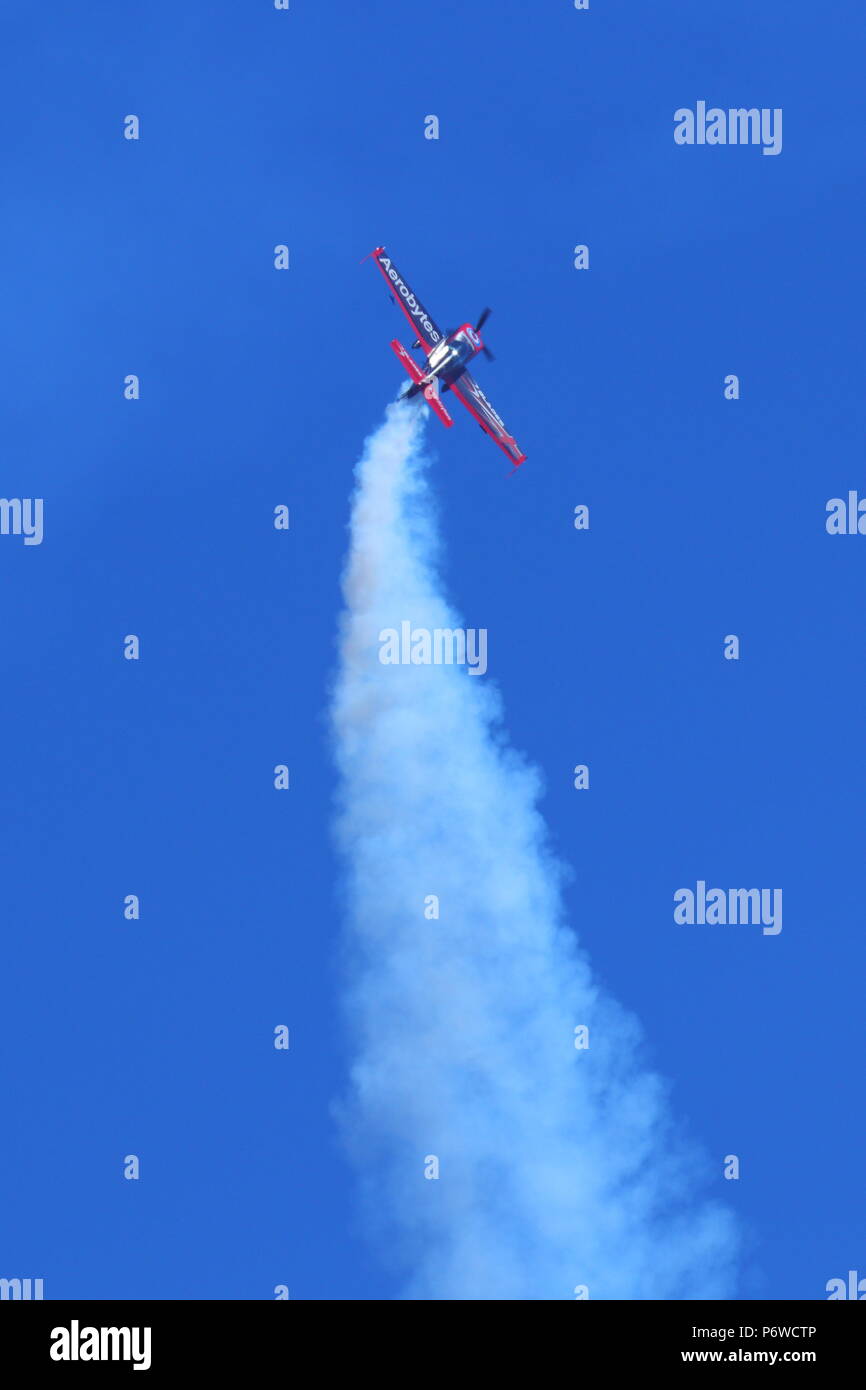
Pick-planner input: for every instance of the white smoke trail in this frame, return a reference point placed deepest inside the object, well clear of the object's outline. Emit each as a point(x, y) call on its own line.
point(558, 1167)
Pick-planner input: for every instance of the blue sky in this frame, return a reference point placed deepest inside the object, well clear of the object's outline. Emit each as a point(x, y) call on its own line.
point(257, 388)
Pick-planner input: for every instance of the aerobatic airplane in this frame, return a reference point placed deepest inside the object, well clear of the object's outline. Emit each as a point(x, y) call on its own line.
point(447, 357)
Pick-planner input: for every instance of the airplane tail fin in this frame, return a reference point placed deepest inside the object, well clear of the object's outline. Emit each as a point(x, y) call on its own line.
point(431, 396)
point(431, 391)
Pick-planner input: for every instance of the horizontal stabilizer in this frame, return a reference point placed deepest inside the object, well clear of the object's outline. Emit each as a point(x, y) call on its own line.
point(408, 362)
point(431, 396)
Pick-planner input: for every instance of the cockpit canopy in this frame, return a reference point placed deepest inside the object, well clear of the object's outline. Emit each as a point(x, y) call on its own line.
point(464, 345)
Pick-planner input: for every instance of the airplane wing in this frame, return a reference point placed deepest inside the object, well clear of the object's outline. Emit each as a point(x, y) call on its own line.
point(426, 329)
point(467, 390)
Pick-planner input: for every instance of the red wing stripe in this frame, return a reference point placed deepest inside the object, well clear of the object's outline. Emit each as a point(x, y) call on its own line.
point(516, 456)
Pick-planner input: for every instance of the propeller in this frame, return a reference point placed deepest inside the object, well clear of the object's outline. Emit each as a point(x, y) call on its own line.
point(485, 315)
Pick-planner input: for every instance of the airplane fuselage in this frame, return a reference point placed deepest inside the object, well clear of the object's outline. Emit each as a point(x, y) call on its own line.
point(449, 359)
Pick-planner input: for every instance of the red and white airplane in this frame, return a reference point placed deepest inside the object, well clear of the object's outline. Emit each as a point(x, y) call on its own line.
point(447, 358)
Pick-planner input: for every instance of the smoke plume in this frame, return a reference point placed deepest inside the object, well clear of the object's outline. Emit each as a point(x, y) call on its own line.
point(558, 1168)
